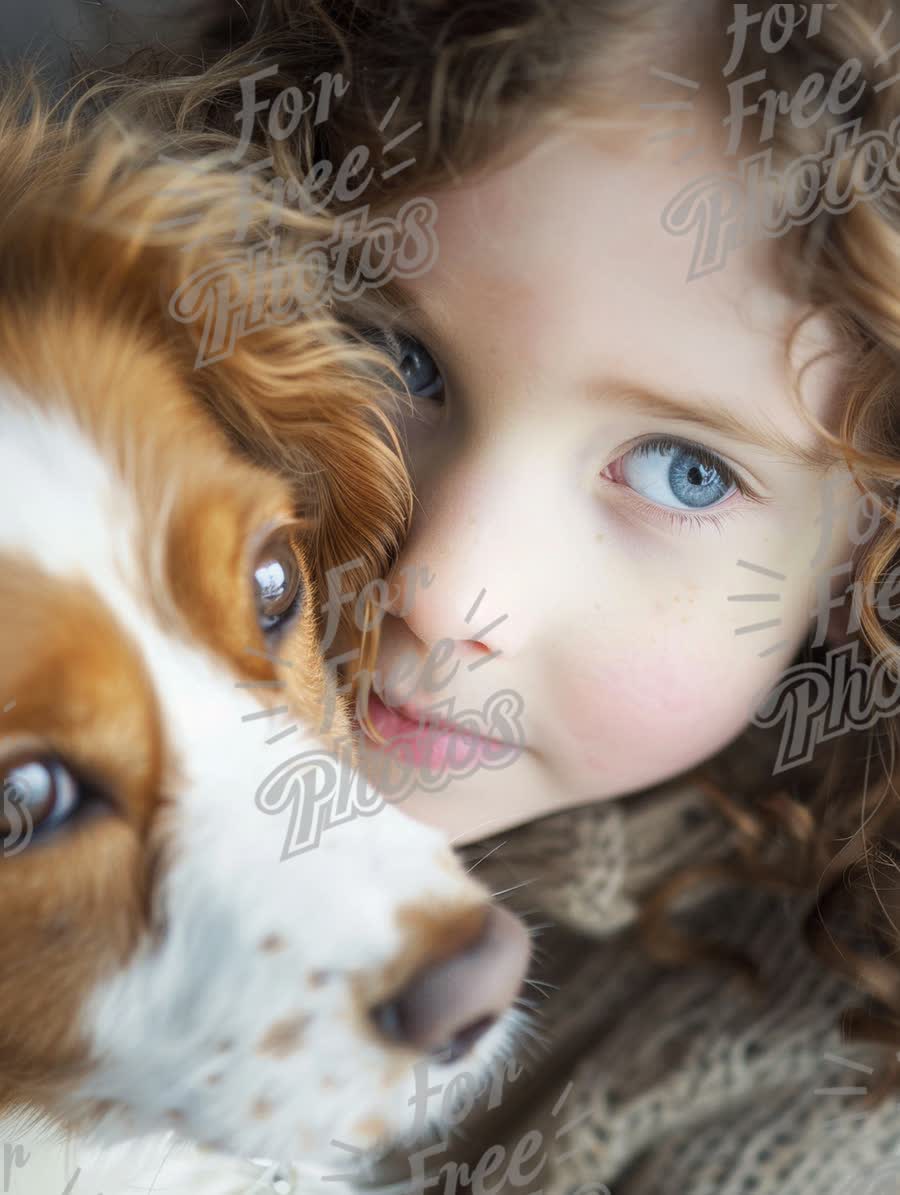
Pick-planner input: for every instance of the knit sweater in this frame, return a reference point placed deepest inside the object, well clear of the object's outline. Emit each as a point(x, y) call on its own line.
point(647, 1078)
point(668, 1078)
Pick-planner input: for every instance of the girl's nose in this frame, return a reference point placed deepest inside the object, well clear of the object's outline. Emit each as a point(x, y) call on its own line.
point(440, 605)
point(449, 1003)
point(480, 563)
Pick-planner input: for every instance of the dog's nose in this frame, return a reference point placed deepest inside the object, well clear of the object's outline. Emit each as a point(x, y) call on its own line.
point(449, 1003)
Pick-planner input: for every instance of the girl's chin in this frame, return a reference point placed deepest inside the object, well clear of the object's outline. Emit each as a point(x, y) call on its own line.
point(464, 808)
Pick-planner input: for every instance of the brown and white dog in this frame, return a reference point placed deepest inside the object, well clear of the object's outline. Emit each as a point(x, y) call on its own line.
point(161, 967)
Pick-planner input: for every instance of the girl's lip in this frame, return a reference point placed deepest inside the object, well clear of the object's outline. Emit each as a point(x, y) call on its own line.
point(423, 741)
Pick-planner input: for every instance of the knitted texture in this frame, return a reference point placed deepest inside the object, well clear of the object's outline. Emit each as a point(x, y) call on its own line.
point(655, 1078)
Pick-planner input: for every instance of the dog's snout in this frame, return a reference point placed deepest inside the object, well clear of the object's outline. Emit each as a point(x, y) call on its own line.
point(450, 1002)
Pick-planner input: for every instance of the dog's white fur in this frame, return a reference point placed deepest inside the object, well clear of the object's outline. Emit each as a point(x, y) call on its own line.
point(202, 1027)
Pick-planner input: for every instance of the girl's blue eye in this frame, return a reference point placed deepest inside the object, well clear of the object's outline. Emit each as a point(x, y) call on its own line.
point(662, 469)
point(420, 370)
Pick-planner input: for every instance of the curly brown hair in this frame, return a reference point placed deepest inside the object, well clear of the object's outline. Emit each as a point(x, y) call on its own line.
point(473, 86)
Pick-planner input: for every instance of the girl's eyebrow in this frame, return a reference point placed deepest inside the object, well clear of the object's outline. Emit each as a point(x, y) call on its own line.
point(711, 413)
point(696, 408)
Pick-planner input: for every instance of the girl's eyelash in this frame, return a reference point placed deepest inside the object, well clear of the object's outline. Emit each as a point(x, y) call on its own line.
point(680, 519)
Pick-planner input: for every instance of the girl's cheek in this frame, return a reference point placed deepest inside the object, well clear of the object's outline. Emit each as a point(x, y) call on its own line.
point(661, 684)
point(673, 700)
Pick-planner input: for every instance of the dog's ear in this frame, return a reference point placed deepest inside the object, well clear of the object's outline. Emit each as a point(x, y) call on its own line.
point(305, 400)
point(294, 388)
point(171, 219)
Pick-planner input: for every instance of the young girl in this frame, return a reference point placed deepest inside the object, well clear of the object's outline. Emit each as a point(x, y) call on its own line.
point(646, 595)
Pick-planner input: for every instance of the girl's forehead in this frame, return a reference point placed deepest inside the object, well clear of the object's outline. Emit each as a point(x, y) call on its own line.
point(564, 258)
point(573, 200)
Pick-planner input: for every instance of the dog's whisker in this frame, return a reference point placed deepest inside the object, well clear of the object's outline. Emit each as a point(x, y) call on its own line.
point(536, 1040)
point(534, 1010)
point(536, 1045)
point(540, 1053)
point(161, 1165)
point(514, 888)
point(532, 1055)
point(540, 983)
point(530, 1006)
point(531, 1033)
point(535, 936)
point(537, 1011)
point(485, 856)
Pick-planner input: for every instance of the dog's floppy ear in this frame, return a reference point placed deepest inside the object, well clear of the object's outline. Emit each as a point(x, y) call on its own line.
point(306, 400)
point(293, 387)
point(167, 226)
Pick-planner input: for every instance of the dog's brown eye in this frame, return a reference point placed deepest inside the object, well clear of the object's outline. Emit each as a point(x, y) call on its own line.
point(37, 794)
point(278, 582)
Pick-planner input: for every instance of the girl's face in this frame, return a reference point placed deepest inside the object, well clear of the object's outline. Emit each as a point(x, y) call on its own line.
point(604, 538)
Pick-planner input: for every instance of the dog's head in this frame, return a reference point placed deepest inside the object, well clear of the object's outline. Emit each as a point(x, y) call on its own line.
point(212, 924)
